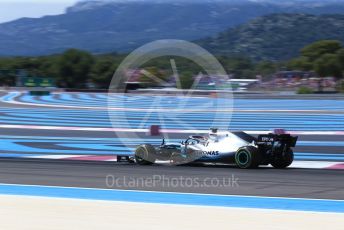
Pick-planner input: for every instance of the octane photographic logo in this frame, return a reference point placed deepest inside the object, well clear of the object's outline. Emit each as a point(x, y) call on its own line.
point(175, 110)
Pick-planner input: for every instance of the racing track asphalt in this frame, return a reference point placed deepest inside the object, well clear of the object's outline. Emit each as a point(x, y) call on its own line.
point(298, 183)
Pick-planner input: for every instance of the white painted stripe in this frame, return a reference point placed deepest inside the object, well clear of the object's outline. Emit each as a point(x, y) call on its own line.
point(38, 127)
point(112, 160)
point(53, 157)
point(259, 132)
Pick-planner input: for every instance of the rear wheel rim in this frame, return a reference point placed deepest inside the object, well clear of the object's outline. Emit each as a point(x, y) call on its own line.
point(243, 158)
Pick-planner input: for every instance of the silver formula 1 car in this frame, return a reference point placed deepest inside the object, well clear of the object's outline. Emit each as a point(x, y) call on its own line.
point(238, 148)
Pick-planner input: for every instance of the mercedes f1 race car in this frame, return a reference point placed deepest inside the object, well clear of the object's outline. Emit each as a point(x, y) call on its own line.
point(238, 148)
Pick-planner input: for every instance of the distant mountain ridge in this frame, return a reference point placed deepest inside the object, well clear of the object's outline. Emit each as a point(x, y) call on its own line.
point(122, 26)
point(277, 36)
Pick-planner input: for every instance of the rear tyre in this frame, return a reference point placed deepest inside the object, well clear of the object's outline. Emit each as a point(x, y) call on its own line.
point(285, 161)
point(145, 154)
point(248, 157)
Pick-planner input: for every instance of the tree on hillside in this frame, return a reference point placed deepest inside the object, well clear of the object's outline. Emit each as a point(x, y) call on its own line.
point(186, 79)
point(340, 54)
point(265, 68)
point(47, 67)
point(300, 63)
point(328, 65)
point(103, 71)
point(240, 67)
point(73, 67)
point(324, 57)
point(320, 48)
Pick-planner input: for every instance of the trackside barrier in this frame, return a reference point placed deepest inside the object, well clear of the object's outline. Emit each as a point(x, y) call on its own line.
point(39, 93)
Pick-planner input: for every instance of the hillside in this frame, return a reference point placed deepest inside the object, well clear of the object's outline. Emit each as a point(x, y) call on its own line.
point(278, 36)
point(121, 26)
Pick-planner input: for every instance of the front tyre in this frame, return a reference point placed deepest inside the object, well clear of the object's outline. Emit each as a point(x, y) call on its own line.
point(284, 161)
point(248, 157)
point(145, 154)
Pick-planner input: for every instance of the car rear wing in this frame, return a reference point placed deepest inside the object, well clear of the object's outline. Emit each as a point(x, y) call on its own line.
point(271, 139)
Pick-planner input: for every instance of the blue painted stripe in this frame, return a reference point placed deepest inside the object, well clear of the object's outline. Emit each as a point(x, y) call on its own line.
point(18, 155)
point(145, 102)
point(204, 120)
point(10, 96)
point(297, 204)
point(318, 158)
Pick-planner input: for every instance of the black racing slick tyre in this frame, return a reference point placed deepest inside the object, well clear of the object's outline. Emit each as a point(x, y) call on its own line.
point(145, 154)
point(248, 157)
point(284, 161)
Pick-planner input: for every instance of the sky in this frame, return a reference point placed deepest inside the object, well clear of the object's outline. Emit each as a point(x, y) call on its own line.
point(14, 9)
